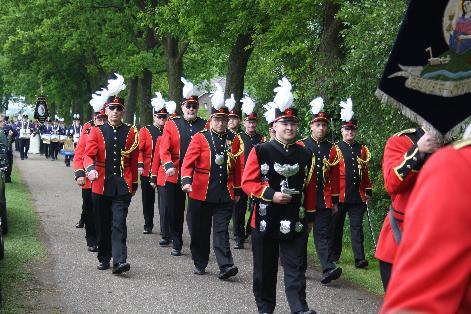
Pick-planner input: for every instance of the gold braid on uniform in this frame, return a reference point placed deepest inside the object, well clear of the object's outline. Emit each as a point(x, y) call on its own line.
point(327, 164)
point(127, 153)
point(362, 164)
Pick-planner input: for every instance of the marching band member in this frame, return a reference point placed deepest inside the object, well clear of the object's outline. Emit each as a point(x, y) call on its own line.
point(234, 117)
point(327, 183)
point(355, 188)
point(175, 140)
point(110, 161)
point(87, 218)
point(279, 176)
point(25, 129)
point(74, 132)
point(209, 176)
point(11, 134)
point(56, 132)
point(248, 139)
point(148, 136)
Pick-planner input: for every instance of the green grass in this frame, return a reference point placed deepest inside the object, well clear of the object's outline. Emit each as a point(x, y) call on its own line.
point(22, 247)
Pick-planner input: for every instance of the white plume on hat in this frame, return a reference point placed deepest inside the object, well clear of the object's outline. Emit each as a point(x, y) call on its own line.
point(269, 114)
point(188, 88)
point(317, 105)
point(217, 97)
point(171, 106)
point(284, 97)
point(98, 99)
point(157, 102)
point(346, 113)
point(230, 103)
point(248, 105)
point(116, 85)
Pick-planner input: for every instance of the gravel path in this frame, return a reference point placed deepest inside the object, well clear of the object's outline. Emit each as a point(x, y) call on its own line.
point(157, 282)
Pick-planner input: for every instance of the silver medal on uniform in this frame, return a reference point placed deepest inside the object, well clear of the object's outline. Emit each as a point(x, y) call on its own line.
point(263, 225)
point(264, 169)
point(263, 209)
point(298, 226)
point(219, 159)
point(285, 226)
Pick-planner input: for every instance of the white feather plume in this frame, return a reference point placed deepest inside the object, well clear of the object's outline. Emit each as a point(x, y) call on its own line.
point(317, 105)
point(98, 99)
point(116, 85)
point(188, 88)
point(269, 114)
point(284, 97)
point(248, 105)
point(346, 113)
point(171, 107)
point(230, 103)
point(157, 102)
point(217, 97)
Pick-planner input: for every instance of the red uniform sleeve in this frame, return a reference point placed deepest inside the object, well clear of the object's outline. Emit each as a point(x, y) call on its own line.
point(400, 164)
point(432, 271)
point(334, 173)
point(142, 147)
point(156, 161)
point(79, 170)
point(165, 145)
point(91, 150)
point(192, 154)
point(252, 183)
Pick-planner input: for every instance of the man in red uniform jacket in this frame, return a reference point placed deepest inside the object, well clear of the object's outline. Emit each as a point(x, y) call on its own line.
point(110, 160)
point(148, 137)
point(79, 171)
point(175, 140)
point(209, 175)
point(432, 267)
point(404, 156)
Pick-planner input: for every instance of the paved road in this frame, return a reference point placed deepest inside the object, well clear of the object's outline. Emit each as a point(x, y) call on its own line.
point(157, 282)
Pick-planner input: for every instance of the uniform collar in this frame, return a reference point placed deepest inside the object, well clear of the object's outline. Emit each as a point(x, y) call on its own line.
point(115, 127)
point(218, 134)
point(318, 142)
point(250, 135)
point(285, 146)
point(354, 142)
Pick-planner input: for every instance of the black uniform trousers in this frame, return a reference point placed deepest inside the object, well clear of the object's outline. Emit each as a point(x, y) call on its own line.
point(148, 200)
point(111, 213)
point(202, 214)
point(88, 217)
point(54, 149)
point(175, 199)
point(163, 214)
point(292, 253)
point(321, 230)
point(238, 218)
point(24, 147)
point(10, 164)
point(355, 214)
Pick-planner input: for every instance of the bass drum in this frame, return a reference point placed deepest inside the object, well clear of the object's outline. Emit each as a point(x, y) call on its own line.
point(46, 138)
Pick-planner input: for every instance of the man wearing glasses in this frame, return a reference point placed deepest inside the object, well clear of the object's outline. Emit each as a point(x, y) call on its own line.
point(111, 157)
point(147, 140)
point(174, 144)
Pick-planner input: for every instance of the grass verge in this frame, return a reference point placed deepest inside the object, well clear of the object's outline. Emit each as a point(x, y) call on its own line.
point(23, 247)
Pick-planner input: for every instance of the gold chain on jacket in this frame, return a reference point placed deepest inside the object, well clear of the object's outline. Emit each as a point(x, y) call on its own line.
point(362, 164)
point(135, 144)
point(327, 164)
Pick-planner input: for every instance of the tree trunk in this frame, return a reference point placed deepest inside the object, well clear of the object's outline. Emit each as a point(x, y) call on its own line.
point(131, 100)
point(330, 44)
point(174, 59)
point(237, 66)
point(143, 96)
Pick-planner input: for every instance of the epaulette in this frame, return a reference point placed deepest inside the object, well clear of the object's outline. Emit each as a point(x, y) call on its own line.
point(173, 118)
point(203, 130)
point(408, 131)
point(461, 144)
point(148, 126)
point(304, 138)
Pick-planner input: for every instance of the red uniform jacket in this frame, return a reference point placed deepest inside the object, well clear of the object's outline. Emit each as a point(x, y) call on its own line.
point(79, 169)
point(196, 168)
point(353, 170)
point(157, 169)
point(170, 146)
point(432, 268)
point(146, 148)
point(95, 158)
point(401, 163)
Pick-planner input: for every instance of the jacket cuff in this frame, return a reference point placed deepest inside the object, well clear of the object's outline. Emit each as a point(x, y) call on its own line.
point(186, 180)
point(90, 168)
point(153, 179)
point(268, 194)
point(169, 165)
point(335, 199)
point(237, 191)
point(369, 192)
point(135, 186)
point(140, 165)
point(79, 174)
point(413, 161)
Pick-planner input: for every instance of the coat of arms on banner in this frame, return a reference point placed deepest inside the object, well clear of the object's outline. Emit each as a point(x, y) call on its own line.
point(449, 73)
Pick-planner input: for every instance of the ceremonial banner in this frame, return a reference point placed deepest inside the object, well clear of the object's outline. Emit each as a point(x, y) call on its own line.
point(40, 112)
point(428, 74)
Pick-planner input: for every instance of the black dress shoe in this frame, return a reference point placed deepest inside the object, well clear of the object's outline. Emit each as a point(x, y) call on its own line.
point(120, 268)
point(80, 224)
point(164, 242)
point(176, 252)
point(239, 246)
point(331, 274)
point(93, 248)
point(103, 265)
point(228, 272)
point(363, 263)
point(147, 230)
point(199, 271)
point(306, 312)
